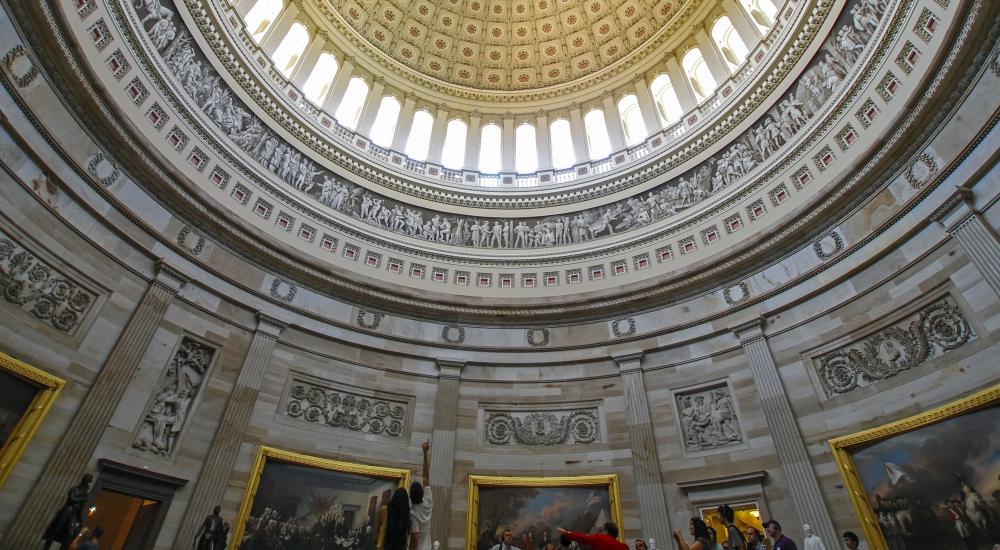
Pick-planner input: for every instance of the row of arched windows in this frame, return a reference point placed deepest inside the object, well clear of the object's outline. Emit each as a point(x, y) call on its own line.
point(383, 130)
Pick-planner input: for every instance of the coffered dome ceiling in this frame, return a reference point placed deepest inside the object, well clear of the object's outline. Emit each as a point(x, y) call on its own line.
point(509, 44)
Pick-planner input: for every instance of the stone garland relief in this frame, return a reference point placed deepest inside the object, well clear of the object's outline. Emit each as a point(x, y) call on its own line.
point(708, 419)
point(175, 392)
point(338, 408)
point(542, 428)
point(823, 76)
point(907, 344)
point(40, 290)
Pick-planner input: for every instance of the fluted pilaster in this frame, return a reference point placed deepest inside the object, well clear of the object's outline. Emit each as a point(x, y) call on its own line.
point(75, 449)
point(978, 240)
point(648, 483)
point(791, 450)
point(443, 446)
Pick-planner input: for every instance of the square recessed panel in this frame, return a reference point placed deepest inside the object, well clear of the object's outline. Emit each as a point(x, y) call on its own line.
point(543, 7)
point(520, 10)
point(578, 42)
point(573, 19)
point(640, 30)
point(464, 73)
point(583, 64)
point(547, 28)
point(522, 33)
point(447, 21)
point(440, 44)
point(467, 52)
point(495, 78)
point(498, 10)
point(595, 9)
point(523, 56)
point(604, 29)
point(379, 35)
point(551, 51)
point(523, 78)
point(388, 15)
point(494, 56)
point(497, 33)
point(613, 49)
point(407, 52)
point(471, 30)
point(424, 11)
point(663, 10)
point(629, 11)
point(354, 14)
point(435, 65)
point(414, 31)
point(554, 72)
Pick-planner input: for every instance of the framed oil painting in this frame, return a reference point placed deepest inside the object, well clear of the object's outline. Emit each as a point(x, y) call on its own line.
point(930, 481)
point(533, 507)
point(311, 503)
point(26, 394)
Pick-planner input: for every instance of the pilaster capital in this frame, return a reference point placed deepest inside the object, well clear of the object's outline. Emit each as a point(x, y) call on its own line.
point(508, 115)
point(168, 277)
point(955, 209)
point(269, 325)
point(750, 330)
point(442, 108)
point(449, 369)
point(629, 362)
point(541, 114)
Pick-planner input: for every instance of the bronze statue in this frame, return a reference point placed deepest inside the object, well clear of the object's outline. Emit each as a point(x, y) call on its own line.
point(67, 522)
point(210, 532)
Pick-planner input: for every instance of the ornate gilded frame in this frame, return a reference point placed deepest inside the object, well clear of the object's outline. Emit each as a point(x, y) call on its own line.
point(273, 454)
point(475, 482)
point(842, 451)
point(49, 387)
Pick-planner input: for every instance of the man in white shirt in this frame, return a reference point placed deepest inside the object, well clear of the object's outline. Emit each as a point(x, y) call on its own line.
point(506, 541)
point(421, 506)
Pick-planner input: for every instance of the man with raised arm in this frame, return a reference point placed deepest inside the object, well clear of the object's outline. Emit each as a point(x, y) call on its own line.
point(421, 506)
point(605, 539)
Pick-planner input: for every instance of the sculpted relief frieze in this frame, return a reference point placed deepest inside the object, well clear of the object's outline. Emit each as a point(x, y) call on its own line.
point(708, 418)
point(542, 428)
point(175, 394)
point(314, 402)
point(907, 344)
point(823, 76)
point(40, 290)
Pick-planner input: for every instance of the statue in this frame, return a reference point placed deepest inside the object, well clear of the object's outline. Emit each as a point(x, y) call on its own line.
point(812, 542)
point(211, 531)
point(66, 524)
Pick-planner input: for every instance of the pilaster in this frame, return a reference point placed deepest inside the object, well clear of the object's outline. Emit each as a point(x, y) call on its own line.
point(218, 465)
point(613, 120)
point(443, 445)
point(647, 105)
point(648, 482)
point(959, 217)
point(681, 84)
point(279, 29)
point(713, 58)
point(73, 452)
point(543, 140)
point(579, 132)
point(340, 82)
point(405, 123)
point(800, 477)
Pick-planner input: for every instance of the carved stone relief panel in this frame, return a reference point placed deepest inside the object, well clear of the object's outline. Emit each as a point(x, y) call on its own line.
point(40, 290)
point(322, 403)
point(175, 393)
point(906, 344)
point(708, 418)
point(575, 426)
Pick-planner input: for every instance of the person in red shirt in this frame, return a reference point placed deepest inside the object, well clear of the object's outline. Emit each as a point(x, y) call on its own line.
point(605, 539)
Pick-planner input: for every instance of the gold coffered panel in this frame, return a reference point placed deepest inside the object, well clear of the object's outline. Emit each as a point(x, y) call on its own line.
point(507, 44)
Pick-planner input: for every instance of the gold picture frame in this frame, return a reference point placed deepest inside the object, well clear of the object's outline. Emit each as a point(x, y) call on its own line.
point(845, 447)
point(267, 455)
point(24, 429)
point(608, 482)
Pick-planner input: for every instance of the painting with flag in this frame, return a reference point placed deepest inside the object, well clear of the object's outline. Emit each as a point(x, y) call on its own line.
point(931, 481)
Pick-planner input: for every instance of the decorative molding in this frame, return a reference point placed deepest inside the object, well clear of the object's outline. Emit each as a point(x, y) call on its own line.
point(179, 385)
point(906, 344)
point(283, 290)
point(199, 243)
point(708, 418)
point(829, 246)
point(737, 293)
point(537, 337)
point(103, 168)
point(453, 334)
point(621, 328)
point(921, 170)
point(39, 289)
point(542, 428)
point(13, 56)
point(369, 319)
point(346, 408)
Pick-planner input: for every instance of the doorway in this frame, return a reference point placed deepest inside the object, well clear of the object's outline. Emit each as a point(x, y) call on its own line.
point(128, 521)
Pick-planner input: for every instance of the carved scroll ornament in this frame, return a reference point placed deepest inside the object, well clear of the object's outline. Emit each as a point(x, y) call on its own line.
point(342, 409)
point(542, 428)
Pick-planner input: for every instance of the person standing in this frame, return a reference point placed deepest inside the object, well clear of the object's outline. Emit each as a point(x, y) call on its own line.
point(605, 539)
point(397, 522)
point(506, 541)
point(421, 506)
point(699, 531)
point(733, 535)
point(754, 539)
point(781, 542)
point(852, 542)
point(90, 542)
point(640, 545)
point(714, 538)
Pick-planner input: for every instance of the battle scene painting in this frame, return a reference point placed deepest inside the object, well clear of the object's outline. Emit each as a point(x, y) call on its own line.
point(533, 513)
point(937, 486)
point(305, 507)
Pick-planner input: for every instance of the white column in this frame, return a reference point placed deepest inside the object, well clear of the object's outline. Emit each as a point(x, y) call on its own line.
point(713, 57)
point(978, 240)
point(336, 92)
point(543, 141)
point(800, 477)
point(243, 7)
point(579, 132)
point(472, 139)
point(274, 35)
point(438, 133)
point(613, 120)
point(681, 84)
point(442, 457)
point(647, 105)
point(745, 27)
point(507, 149)
point(404, 124)
point(370, 110)
point(306, 64)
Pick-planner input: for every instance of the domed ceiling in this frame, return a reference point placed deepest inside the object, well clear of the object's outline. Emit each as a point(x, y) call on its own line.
point(507, 44)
